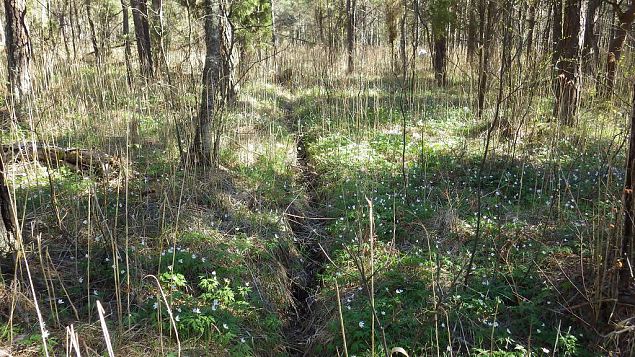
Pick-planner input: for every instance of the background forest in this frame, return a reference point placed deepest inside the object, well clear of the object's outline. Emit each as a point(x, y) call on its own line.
point(317, 178)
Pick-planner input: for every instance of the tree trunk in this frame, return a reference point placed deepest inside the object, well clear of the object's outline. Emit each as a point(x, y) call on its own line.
point(126, 39)
point(157, 32)
point(590, 41)
point(229, 55)
point(629, 215)
point(567, 20)
point(402, 42)
point(274, 30)
point(142, 33)
point(18, 47)
point(203, 145)
point(440, 60)
point(72, 20)
point(93, 35)
point(7, 223)
point(532, 25)
point(350, 34)
point(548, 29)
point(319, 19)
point(472, 34)
point(617, 44)
point(486, 29)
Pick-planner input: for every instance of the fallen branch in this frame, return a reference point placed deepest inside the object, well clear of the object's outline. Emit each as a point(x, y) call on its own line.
point(82, 160)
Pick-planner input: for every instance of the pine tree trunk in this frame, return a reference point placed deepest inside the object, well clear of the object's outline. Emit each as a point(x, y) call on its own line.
point(18, 47)
point(142, 33)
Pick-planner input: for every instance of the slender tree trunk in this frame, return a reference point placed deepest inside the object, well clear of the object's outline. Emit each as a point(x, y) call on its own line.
point(531, 26)
point(72, 19)
point(319, 19)
point(18, 47)
point(142, 33)
point(93, 35)
point(3, 37)
point(229, 55)
point(77, 21)
point(126, 38)
point(590, 42)
point(472, 36)
point(625, 19)
point(62, 20)
point(486, 29)
point(157, 32)
point(402, 42)
point(274, 30)
point(548, 30)
point(566, 83)
point(203, 145)
point(350, 34)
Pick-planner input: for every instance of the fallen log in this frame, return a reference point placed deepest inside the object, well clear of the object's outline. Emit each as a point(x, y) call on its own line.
point(82, 160)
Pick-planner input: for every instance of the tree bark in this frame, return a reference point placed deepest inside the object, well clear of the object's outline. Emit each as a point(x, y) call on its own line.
point(472, 36)
point(274, 30)
point(126, 38)
point(616, 45)
point(18, 47)
point(629, 215)
point(203, 145)
point(590, 42)
point(72, 19)
point(532, 25)
point(319, 19)
point(440, 60)
point(350, 34)
point(93, 34)
point(567, 21)
point(486, 29)
point(142, 33)
point(157, 32)
point(7, 219)
point(229, 54)
point(402, 41)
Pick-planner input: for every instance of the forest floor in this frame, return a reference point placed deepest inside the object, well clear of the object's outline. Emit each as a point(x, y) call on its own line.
point(342, 221)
